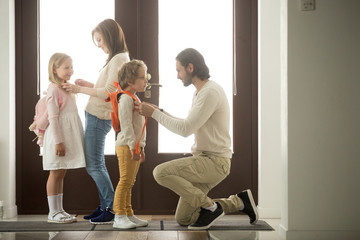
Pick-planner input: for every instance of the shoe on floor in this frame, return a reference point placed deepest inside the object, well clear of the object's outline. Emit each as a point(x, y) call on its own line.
point(138, 222)
point(94, 214)
point(73, 217)
point(106, 217)
point(59, 217)
point(207, 218)
point(123, 222)
point(249, 205)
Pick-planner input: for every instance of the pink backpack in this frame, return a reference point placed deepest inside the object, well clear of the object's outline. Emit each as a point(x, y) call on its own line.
point(41, 121)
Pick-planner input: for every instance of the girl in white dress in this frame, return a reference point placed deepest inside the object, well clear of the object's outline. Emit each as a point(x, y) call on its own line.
point(63, 140)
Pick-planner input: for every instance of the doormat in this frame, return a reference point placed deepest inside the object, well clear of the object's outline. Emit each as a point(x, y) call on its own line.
point(154, 225)
point(224, 225)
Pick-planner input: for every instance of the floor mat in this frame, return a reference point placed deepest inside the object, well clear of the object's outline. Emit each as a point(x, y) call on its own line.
point(154, 225)
point(224, 225)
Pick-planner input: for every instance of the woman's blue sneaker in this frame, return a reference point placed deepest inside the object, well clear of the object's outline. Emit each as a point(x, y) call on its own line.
point(96, 213)
point(106, 217)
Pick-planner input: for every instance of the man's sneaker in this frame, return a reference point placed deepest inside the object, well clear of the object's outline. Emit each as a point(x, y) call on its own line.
point(123, 222)
point(96, 213)
point(106, 217)
point(249, 205)
point(207, 218)
point(137, 221)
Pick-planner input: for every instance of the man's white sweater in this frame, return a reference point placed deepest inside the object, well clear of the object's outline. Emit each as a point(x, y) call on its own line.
point(208, 120)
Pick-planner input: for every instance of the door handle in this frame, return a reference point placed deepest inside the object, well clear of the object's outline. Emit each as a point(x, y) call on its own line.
point(148, 87)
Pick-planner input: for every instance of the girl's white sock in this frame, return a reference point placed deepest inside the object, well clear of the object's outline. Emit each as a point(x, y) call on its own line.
point(53, 204)
point(60, 198)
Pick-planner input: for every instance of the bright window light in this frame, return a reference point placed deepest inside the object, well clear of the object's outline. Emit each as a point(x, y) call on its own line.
point(65, 26)
point(207, 26)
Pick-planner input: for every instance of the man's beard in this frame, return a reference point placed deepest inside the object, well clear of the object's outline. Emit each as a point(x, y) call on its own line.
point(187, 80)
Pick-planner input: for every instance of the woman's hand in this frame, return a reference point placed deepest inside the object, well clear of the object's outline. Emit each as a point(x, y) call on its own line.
point(82, 83)
point(60, 149)
point(71, 88)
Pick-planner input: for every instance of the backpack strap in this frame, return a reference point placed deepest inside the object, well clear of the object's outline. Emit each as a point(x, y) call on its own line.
point(60, 97)
point(132, 96)
point(142, 133)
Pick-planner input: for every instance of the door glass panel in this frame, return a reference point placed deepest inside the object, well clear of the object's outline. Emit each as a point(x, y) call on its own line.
point(65, 26)
point(207, 26)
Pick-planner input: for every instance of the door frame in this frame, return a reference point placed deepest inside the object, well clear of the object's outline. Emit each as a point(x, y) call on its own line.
point(139, 22)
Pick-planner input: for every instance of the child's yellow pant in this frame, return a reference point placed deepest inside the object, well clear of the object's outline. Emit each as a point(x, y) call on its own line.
point(128, 169)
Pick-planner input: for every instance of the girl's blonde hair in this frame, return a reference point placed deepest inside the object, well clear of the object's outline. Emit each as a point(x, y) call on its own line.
point(54, 63)
point(129, 72)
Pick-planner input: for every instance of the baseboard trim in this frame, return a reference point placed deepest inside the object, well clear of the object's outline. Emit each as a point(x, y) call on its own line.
point(285, 234)
point(10, 212)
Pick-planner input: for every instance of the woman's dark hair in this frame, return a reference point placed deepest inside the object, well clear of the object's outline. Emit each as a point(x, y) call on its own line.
point(113, 36)
point(190, 55)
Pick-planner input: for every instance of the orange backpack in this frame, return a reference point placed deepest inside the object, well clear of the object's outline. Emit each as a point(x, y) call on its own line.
point(115, 120)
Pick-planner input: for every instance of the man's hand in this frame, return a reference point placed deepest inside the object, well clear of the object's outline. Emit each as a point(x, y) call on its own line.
point(145, 109)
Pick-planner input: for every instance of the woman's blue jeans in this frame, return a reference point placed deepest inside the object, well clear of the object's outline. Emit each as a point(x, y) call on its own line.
point(94, 143)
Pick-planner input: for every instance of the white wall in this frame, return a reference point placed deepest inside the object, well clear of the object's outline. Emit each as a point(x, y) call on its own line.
point(7, 100)
point(321, 169)
point(269, 109)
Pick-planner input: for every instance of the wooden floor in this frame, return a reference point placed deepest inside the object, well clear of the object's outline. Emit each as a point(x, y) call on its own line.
point(142, 235)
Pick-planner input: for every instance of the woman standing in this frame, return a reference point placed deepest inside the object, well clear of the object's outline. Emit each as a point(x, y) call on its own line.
point(108, 36)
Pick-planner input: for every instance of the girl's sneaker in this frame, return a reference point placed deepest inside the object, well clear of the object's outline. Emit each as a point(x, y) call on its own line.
point(123, 222)
point(59, 217)
point(138, 222)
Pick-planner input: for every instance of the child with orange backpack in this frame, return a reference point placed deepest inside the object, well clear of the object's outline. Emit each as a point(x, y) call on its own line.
point(130, 142)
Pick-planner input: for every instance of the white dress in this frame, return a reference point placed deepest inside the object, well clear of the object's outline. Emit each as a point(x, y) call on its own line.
point(71, 132)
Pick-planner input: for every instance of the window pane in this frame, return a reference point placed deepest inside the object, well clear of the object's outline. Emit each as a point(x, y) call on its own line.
point(207, 26)
point(65, 26)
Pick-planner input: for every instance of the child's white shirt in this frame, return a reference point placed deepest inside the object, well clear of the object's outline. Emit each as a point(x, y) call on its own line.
point(131, 123)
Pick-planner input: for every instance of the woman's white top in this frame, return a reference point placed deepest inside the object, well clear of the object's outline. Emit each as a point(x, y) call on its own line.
point(105, 83)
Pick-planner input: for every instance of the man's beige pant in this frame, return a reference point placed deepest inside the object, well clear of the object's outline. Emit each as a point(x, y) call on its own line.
point(192, 178)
